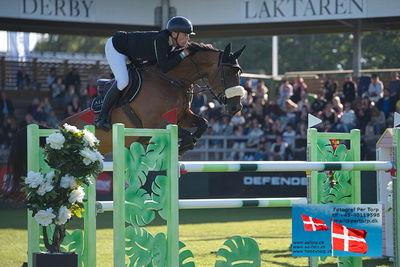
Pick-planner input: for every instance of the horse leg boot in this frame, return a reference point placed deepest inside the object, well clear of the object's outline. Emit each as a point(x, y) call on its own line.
point(185, 140)
point(109, 100)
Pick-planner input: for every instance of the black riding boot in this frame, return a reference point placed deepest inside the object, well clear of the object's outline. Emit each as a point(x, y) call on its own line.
point(109, 100)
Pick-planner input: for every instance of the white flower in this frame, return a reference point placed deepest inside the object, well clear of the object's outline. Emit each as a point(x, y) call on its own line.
point(44, 188)
point(390, 186)
point(76, 195)
point(47, 184)
point(56, 140)
point(50, 176)
point(99, 157)
point(45, 217)
point(34, 179)
point(88, 155)
point(68, 181)
point(89, 138)
point(71, 128)
point(64, 214)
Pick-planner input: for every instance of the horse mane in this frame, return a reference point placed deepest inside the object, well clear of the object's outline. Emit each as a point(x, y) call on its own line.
point(196, 47)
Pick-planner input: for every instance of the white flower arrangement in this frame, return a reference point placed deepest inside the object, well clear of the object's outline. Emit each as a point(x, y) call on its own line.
point(57, 196)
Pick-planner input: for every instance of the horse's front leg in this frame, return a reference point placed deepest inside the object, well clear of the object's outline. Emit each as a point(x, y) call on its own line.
point(188, 139)
point(191, 120)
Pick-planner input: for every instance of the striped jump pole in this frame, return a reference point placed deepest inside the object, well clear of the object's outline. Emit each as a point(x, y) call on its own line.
point(284, 166)
point(103, 206)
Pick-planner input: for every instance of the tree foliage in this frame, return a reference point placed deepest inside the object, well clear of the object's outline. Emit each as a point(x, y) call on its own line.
point(71, 44)
point(296, 52)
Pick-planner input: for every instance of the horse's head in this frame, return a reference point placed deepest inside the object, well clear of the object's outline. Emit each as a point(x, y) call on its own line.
point(226, 80)
point(222, 70)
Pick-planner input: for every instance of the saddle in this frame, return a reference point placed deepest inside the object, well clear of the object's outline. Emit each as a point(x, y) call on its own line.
point(129, 93)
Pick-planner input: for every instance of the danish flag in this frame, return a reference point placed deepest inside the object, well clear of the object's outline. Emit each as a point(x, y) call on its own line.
point(312, 224)
point(348, 239)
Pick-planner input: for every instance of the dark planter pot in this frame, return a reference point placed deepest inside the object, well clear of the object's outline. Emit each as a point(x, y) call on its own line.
point(46, 259)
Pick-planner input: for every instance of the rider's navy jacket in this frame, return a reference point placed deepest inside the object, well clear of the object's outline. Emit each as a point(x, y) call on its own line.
point(151, 46)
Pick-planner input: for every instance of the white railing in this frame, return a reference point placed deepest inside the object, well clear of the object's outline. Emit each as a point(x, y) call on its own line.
point(206, 150)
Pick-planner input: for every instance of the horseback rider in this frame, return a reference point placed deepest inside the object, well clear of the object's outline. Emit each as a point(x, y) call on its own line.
point(152, 46)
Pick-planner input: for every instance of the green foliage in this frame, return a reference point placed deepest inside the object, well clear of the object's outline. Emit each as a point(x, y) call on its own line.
point(71, 43)
point(316, 51)
point(241, 252)
point(296, 52)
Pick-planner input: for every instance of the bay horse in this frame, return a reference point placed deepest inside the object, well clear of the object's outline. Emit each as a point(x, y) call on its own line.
point(160, 93)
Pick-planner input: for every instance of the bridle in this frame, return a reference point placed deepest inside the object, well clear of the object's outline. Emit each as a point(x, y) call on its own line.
point(221, 97)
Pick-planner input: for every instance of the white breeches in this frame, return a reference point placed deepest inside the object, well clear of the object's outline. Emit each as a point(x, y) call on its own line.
point(117, 62)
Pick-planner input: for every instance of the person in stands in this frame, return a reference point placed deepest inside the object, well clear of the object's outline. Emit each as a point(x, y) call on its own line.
point(166, 48)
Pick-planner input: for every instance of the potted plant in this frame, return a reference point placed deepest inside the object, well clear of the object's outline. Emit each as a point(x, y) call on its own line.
point(56, 196)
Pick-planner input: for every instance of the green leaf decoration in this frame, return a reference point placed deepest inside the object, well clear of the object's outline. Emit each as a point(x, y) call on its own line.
point(335, 186)
point(325, 149)
point(345, 262)
point(157, 152)
point(159, 196)
point(159, 252)
point(136, 210)
point(138, 246)
point(241, 252)
point(340, 153)
point(73, 242)
point(136, 165)
point(186, 256)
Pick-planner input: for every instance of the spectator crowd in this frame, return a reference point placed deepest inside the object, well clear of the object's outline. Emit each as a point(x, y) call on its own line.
point(66, 97)
point(276, 129)
point(266, 128)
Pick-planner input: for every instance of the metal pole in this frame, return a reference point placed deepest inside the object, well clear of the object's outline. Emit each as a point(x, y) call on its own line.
point(357, 49)
point(164, 13)
point(275, 54)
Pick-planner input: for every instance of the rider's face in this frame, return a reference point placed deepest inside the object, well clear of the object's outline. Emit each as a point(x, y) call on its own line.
point(183, 38)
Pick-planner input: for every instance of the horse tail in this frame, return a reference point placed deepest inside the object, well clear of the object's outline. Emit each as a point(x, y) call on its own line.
point(16, 166)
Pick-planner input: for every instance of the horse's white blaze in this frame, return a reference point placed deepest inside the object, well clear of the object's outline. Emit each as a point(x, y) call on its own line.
point(235, 91)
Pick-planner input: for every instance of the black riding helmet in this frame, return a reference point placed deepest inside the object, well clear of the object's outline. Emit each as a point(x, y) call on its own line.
point(180, 24)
